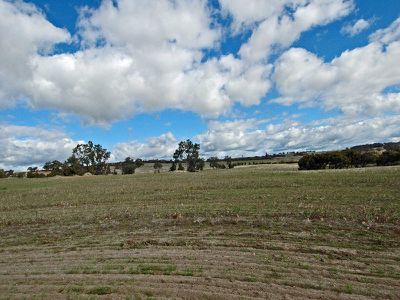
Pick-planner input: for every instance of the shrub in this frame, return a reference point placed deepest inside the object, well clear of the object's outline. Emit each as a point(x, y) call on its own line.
point(157, 167)
point(35, 175)
point(312, 162)
point(389, 158)
point(336, 160)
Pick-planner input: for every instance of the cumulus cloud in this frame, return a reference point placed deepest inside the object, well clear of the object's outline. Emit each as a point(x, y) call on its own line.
point(24, 146)
point(246, 14)
point(355, 82)
point(142, 56)
point(151, 59)
point(281, 22)
point(105, 84)
point(24, 32)
point(165, 65)
point(148, 24)
point(156, 147)
point(387, 35)
point(256, 137)
point(356, 28)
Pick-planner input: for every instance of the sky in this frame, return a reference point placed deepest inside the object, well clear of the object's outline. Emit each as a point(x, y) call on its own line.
point(239, 77)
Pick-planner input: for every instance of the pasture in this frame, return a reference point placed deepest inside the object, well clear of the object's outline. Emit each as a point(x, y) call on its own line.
point(263, 232)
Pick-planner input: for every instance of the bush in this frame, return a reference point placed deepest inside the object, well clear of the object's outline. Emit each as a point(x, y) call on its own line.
point(318, 161)
point(157, 167)
point(200, 163)
point(312, 162)
point(389, 158)
point(35, 175)
point(336, 160)
point(128, 168)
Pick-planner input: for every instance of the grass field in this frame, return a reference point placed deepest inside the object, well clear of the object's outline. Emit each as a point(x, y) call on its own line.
point(253, 232)
point(284, 162)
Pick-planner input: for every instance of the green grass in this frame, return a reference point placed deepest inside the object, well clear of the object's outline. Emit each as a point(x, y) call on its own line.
point(100, 290)
point(248, 229)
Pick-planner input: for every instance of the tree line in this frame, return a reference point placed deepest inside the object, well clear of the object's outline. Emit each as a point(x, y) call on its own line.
point(92, 158)
point(348, 158)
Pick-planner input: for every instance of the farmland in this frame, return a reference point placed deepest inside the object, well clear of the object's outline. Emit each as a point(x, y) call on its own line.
point(266, 231)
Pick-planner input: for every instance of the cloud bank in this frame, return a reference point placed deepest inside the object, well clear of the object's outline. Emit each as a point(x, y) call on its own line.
point(256, 137)
point(141, 56)
point(356, 82)
point(25, 146)
point(251, 137)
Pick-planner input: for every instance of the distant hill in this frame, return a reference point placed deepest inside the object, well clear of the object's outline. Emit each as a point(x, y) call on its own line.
point(377, 146)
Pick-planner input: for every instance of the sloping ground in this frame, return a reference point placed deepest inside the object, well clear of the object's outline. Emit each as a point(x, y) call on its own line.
point(232, 234)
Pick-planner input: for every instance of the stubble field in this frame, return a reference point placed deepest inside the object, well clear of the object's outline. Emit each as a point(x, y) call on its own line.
point(252, 232)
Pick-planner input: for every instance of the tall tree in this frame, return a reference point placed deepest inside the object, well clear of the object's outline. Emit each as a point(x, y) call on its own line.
point(189, 152)
point(54, 166)
point(92, 157)
point(72, 167)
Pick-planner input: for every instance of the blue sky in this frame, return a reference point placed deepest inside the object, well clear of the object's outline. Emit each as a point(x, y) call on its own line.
point(239, 77)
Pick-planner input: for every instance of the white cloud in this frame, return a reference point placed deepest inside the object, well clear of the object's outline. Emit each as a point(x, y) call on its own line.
point(281, 22)
point(246, 13)
point(106, 84)
point(355, 82)
point(24, 32)
point(151, 56)
point(24, 146)
point(151, 59)
point(143, 24)
point(163, 41)
point(233, 138)
point(157, 147)
point(387, 35)
point(356, 28)
point(255, 137)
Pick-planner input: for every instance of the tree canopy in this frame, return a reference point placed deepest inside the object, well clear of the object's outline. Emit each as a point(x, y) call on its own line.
point(92, 157)
point(189, 152)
